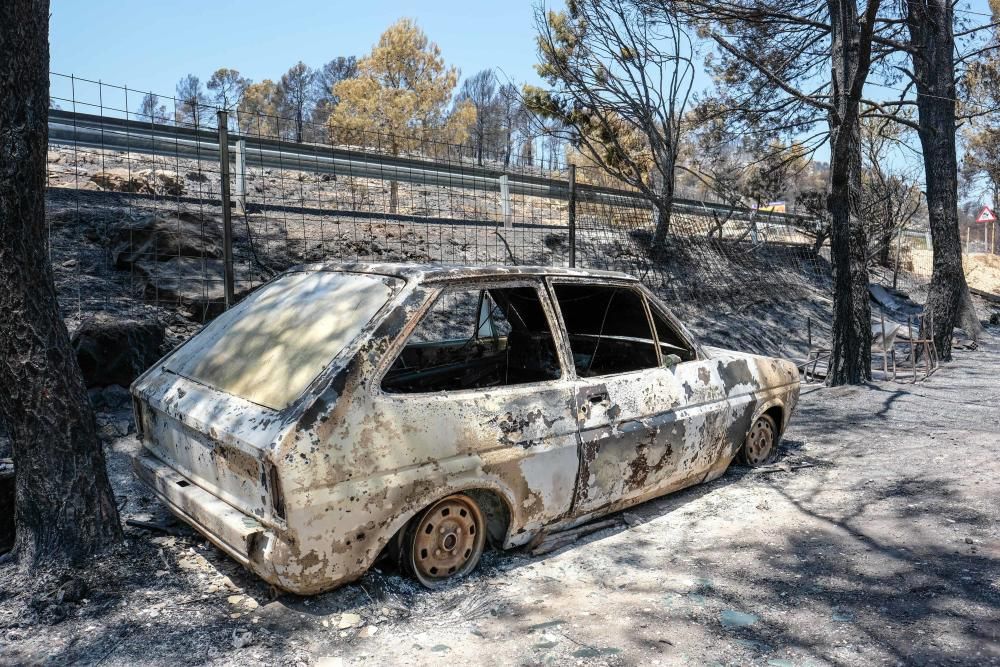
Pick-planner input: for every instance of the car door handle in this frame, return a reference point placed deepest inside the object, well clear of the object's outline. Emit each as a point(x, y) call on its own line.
point(596, 399)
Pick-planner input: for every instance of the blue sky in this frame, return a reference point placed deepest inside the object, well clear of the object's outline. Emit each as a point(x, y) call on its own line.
point(150, 45)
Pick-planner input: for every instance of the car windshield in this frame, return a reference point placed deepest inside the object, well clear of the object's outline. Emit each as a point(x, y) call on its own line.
point(272, 345)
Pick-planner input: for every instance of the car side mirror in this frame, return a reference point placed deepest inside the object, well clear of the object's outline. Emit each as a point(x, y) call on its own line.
point(671, 360)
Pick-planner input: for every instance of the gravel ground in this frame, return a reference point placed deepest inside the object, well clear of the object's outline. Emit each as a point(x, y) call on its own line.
point(872, 540)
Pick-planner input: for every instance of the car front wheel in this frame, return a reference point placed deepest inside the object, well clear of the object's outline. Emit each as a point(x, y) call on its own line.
point(445, 541)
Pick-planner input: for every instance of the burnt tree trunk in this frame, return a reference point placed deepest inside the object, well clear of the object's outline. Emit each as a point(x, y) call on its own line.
point(933, 41)
point(850, 359)
point(663, 186)
point(885, 247)
point(64, 505)
point(664, 209)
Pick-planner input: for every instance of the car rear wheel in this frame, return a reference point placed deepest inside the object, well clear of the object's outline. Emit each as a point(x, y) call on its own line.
point(445, 542)
point(761, 443)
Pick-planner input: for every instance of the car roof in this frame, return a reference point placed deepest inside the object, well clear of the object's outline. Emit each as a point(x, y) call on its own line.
point(441, 273)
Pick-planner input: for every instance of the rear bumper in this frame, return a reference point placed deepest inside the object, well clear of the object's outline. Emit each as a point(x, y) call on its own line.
point(238, 534)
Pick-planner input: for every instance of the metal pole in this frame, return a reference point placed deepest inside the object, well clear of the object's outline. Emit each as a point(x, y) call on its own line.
point(508, 218)
point(572, 216)
point(899, 249)
point(241, 175)
point(885, 352)
point(227, 212)
point(913, 346)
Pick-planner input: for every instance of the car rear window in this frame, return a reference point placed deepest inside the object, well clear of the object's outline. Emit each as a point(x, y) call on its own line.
point(272, 345)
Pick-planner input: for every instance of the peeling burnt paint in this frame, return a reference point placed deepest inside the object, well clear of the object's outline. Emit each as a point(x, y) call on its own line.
point(348, 464)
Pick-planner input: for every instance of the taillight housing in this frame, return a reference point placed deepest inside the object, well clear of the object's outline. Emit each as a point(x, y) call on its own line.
point(140, 429)
point(274, 486)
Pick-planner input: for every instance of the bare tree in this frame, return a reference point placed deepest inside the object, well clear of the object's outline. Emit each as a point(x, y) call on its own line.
point(64, 506)
point(152, 109)
point(890, 189)
point(932, 50)
point(191, 104)
point(480, 90)
point(620, 77)
point(512, 118)
point(227, 86)
point(789, 63)
point(294, 95)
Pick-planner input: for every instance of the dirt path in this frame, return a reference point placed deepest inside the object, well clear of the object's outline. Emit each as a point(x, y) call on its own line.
point(875, 540)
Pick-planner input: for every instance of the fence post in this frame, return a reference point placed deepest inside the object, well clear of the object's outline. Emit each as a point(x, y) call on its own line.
point(572, 216)
point(227, 212)
point(241, 175)
point(505, 202)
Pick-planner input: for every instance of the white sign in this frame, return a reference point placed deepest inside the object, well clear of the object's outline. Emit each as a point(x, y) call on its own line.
point(986, 215)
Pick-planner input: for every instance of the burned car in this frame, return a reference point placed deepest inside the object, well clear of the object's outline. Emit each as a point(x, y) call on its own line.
point(343, 411)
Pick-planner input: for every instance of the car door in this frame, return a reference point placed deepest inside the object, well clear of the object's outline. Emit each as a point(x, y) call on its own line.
point(625, 398)
point(478, 395)
point(711, 420)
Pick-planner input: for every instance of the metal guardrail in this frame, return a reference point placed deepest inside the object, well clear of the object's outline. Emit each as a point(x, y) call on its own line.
point(108, 133)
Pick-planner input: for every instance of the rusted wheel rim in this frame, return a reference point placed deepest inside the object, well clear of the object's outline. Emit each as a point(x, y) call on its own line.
point(760, 442)
point(448, 540)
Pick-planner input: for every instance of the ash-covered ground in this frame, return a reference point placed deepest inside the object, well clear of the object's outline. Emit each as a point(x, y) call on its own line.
point(873, 539)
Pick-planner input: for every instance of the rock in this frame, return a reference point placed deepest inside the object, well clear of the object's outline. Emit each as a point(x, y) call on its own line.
point(197, 176)
point(242, 638)
point(632, 519)
point(367, 632)
point(969, 540)
point(166, 235)
point(144, 181)
point(737, 619)
point(116, 396)
point(120, 180)
point(113, 429)
point(164, 182)
point(115, 350)
point(196, 284)
point(348, 620)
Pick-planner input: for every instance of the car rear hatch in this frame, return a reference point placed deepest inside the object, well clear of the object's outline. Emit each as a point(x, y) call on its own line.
point(214, 408)
point(212, 439)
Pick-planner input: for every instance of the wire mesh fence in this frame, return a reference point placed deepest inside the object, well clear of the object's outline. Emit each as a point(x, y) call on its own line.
point(138, 222)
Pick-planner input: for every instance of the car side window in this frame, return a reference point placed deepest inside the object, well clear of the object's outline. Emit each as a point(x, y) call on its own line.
point(671, 342)
point(608, 328)
point(477, 338)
